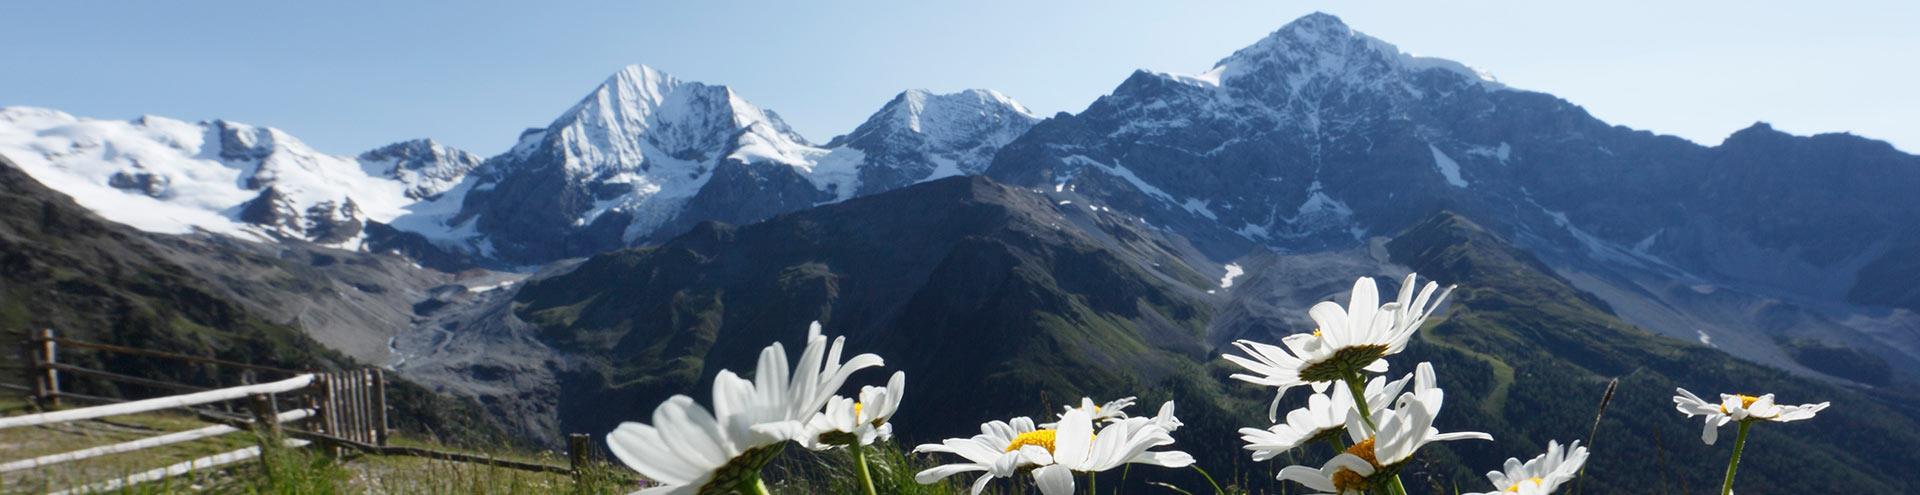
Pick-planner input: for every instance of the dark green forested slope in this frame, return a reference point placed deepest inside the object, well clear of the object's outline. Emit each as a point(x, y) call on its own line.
point(996, 305)
point(968, 286)
point(1525, 357)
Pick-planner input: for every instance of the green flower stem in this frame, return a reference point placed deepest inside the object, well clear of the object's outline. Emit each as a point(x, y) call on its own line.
point(753, 486)
point(1339, 444)
point(860, 460)
point(1359, 389)
point(1210, 481)
point(1394, 487)
point(1093, 482)
point(1739, 444)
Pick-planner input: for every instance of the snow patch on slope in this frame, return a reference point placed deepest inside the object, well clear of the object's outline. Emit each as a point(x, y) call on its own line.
point(170, 176)
point(1233, 271)
point(1448, 168)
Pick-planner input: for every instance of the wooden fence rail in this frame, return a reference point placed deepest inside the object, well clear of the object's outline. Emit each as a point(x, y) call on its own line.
point(142, 443)
point(200, 464)
point(157, 403)
point(343, 410)
point(265, 421)
point(47, 335)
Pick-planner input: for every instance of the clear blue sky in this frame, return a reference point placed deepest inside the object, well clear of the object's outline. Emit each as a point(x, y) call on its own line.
point(348, 76)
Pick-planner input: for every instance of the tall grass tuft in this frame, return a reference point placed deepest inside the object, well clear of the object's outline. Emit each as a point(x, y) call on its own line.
point(804, 472)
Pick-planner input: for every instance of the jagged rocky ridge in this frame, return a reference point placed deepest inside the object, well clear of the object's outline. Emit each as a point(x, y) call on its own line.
point(1320, 137)
point(646, 156)
point(642, 157)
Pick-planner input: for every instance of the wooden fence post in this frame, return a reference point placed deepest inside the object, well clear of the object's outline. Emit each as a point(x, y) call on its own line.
point(357, 392)
point(380, 407)
point(317, 422)
point(323, 382)
point(50, 356)
point(30, 368)
point(266, 424)
point(577, 458)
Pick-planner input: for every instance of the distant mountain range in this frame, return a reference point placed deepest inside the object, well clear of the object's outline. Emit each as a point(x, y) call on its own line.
point(662, 229)
point(1320, 137)
point(642, 157)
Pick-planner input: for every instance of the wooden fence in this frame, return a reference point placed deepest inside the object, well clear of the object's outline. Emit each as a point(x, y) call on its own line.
point(344, 412)
point(266, 421)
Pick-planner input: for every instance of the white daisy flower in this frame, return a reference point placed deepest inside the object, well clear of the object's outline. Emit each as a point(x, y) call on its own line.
point(1382, 392)
point(1101, 413)
point(847, 421)
point(1740, 408)
point(1325, 415)
point(1541, 475)
point(777, 404)
point(1077, 448)
point(1374, 456)
point(1165, 418)
point(689, 450)
point(1000, 450)
point(1350, 340)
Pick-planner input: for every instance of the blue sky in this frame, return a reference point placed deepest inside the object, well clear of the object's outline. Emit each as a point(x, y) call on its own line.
point(349, 76)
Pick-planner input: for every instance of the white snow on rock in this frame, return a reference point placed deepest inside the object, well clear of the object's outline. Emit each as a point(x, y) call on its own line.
point(662, 138)
point(652, 138)
point(957, 132)
point(1501, 153)
point(426, 166)
point(1448, 168)
point(170, 176)
point(1233, 271)
point(1320, 45)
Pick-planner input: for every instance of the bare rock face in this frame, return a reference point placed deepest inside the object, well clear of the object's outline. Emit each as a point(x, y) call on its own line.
point(144, 182)
point(426, 166)
point(332, 223)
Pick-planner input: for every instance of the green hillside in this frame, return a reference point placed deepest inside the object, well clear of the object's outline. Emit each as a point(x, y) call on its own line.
point(64, 268)
point(1525, 357)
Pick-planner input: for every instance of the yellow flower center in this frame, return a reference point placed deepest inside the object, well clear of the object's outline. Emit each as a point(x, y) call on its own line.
point(1516, 486)
point(1316, 332)
point(1037, 438)
point(1746, 401)
point(1345, 479)
point(857, 407)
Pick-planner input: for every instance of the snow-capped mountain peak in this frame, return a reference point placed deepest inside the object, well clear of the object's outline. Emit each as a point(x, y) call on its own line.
point(920, 135)
point(639, 108)
point(646, 155)
point(643, 155)
point(1320, 46)
point(925, 112)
